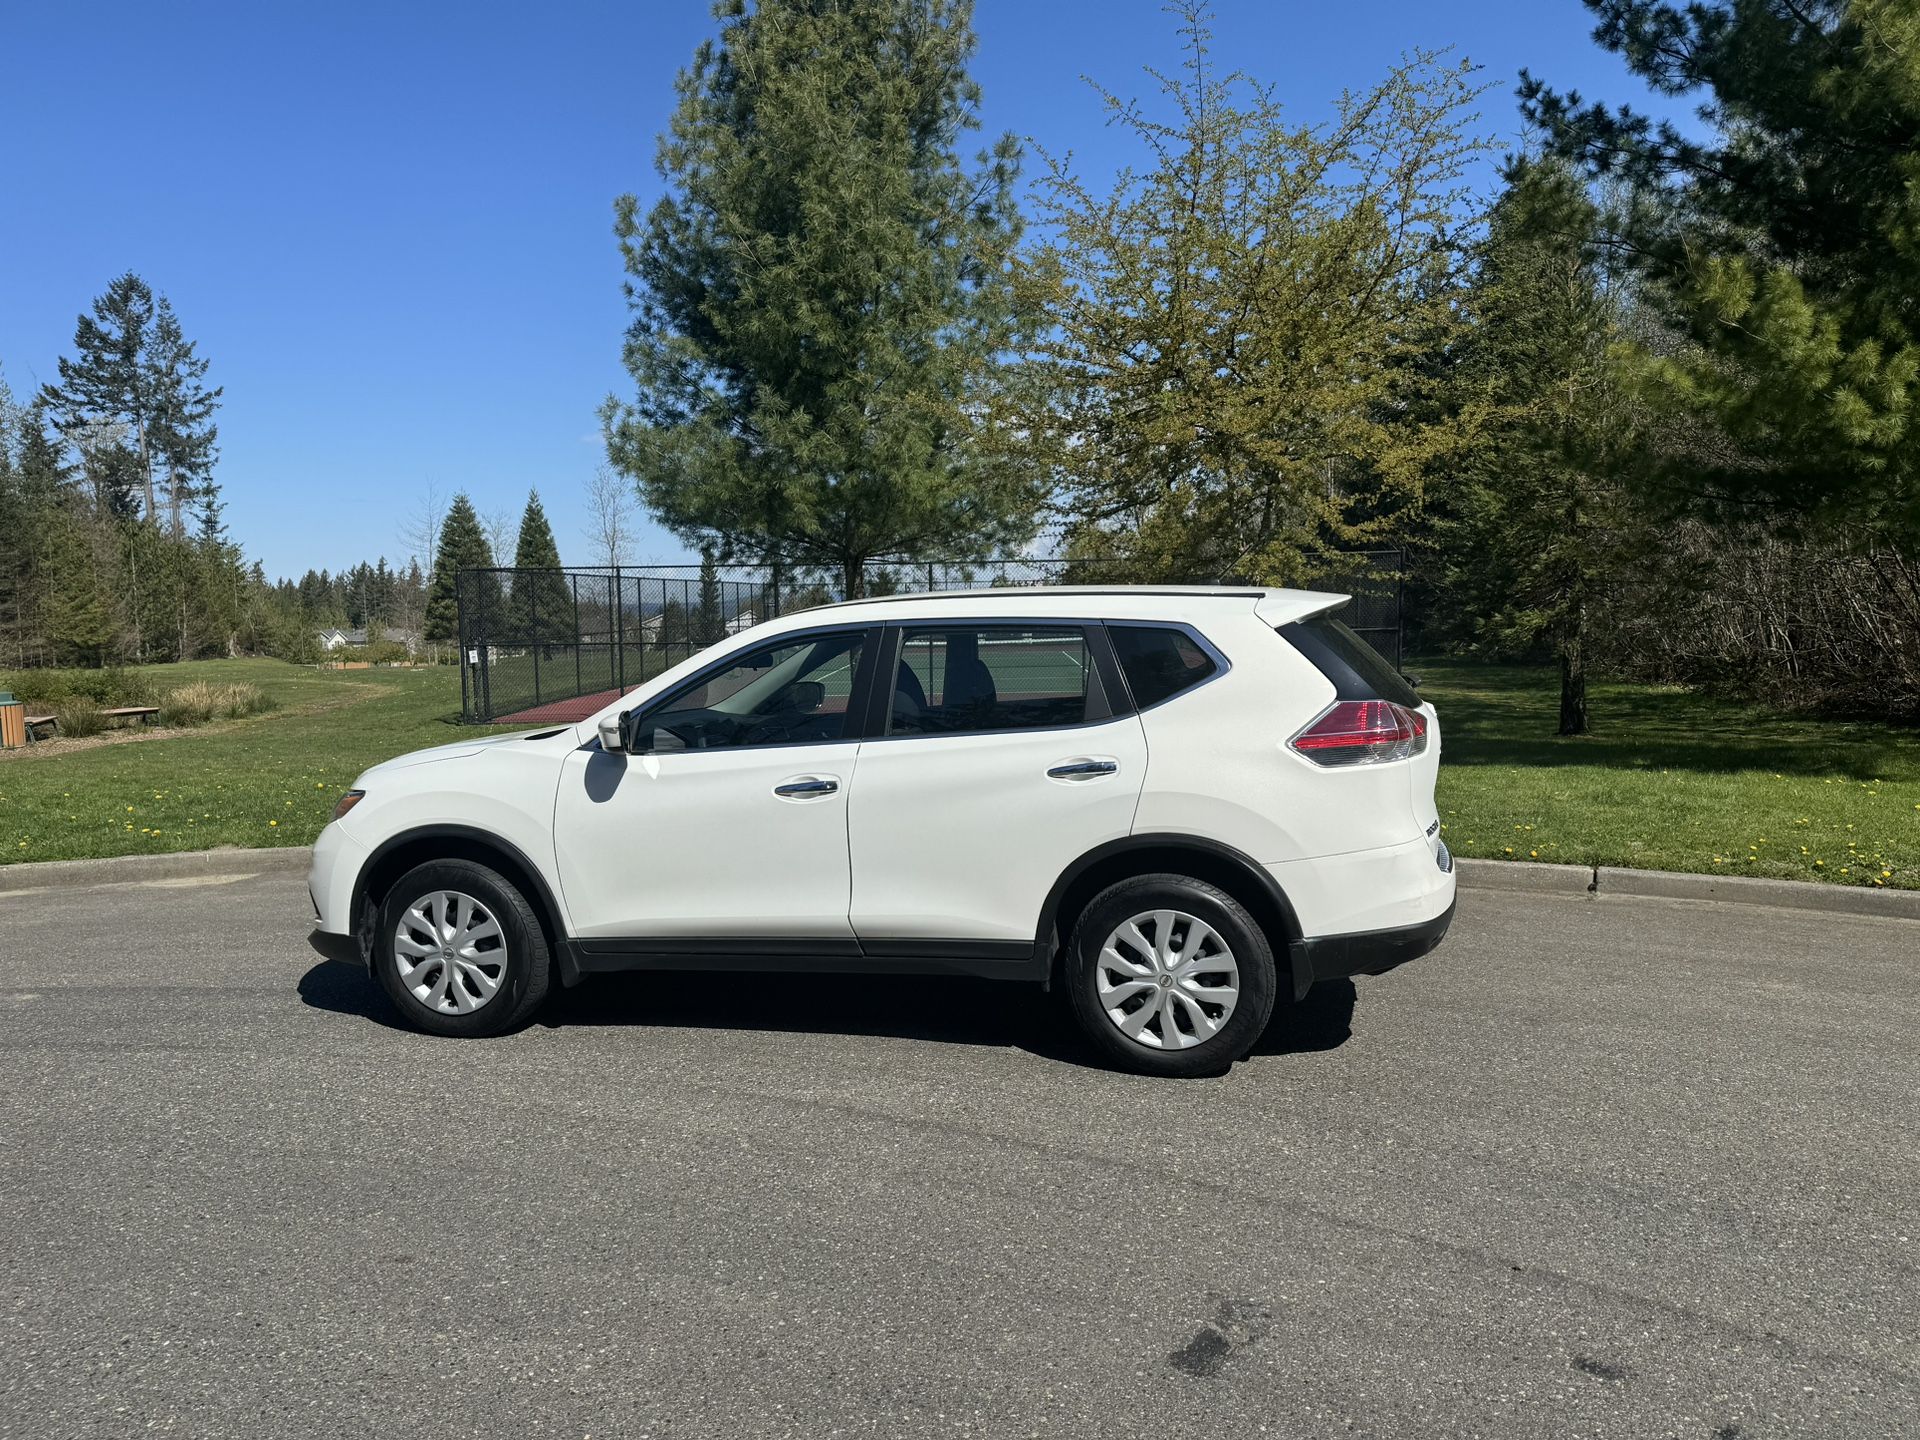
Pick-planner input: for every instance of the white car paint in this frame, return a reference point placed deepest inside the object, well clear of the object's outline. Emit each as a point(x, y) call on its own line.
point(961, 836)
point(938, 837)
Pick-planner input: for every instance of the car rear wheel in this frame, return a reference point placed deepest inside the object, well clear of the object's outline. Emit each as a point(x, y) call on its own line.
point(459, 951)
point(1169, 975)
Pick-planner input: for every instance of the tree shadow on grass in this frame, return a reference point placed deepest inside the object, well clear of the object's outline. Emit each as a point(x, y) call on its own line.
point(1507, 715)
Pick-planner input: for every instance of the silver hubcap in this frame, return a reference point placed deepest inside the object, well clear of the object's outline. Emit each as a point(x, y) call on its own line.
point(1167, 980)
point(450, 952)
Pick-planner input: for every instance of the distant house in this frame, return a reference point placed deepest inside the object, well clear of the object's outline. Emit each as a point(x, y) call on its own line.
point(745, 620)
point(334, 638)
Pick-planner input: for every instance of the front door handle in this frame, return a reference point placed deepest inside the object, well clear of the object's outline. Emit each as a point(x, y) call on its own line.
point(806, 787)
point(1083, 769)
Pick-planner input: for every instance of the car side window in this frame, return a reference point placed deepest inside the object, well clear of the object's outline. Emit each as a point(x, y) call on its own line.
point(1159, 662)
point(957, 678)
point(788, 693)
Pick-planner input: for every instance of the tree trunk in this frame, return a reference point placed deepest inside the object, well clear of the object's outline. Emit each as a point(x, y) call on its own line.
point(853, 574)
point(1573, 685)
point(146, 474)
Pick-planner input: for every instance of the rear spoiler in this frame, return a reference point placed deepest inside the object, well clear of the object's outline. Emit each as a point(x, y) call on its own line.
point(1282, 607)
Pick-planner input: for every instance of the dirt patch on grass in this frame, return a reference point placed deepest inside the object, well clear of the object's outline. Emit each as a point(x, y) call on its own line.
point(60, 745)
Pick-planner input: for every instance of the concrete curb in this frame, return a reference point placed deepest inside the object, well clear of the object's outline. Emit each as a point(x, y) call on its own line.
point(1513, 876)
point(1527, 877)
point(134, 869)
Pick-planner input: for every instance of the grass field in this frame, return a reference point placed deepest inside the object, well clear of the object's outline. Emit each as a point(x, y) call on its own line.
point(1668, 781)
point(272, 780)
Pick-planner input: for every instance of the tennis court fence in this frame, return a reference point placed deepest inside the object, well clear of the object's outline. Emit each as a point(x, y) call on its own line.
point(555, 645)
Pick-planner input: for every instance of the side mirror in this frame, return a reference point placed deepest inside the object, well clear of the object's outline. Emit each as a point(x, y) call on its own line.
point(612, 737)
point(808, 695)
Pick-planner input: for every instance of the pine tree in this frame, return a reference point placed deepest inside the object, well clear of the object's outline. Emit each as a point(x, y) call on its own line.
point(184, 435)
point(1781, 246)
point(106, 389)
point(1537, 521)
point(542, 605)
point(821, 300)
point(710, 621)
point(463, 546)
point(133, 402)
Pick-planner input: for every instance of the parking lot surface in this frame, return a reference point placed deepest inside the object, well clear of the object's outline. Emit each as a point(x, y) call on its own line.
point(1597, 1167)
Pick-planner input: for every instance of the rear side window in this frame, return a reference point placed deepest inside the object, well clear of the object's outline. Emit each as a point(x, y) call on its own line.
point(952, 679)
point(1357, 670)
point(1159, 662)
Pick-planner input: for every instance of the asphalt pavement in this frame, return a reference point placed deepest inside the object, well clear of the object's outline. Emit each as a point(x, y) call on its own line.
point(1607, 1166)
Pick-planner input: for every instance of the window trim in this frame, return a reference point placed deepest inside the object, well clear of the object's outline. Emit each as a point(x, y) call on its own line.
point(859, 706)
point(1098, 697)
point(1221, 664)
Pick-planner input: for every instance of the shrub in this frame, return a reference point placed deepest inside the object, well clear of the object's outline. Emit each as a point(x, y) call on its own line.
point(202, 701)
point(114, 685)
point(77, 716)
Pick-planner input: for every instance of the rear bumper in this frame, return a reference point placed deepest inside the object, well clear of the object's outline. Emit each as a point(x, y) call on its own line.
point(1369, 952)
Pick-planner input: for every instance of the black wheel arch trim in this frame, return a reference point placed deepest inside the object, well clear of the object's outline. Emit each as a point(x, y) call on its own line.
point(1299, 961)
point(544, 899)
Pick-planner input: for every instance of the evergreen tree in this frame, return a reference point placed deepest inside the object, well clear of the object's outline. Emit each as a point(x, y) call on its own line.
point(821, 299)
point(676, 631)
point(184, 434)
point(542, 604)
point(108, 384)
point(1537, 523)
point(710, 621)
point(463, 546)
point(133, 402)
point(1781, 246)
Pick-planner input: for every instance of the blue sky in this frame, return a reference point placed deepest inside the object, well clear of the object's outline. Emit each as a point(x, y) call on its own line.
point(389, 225)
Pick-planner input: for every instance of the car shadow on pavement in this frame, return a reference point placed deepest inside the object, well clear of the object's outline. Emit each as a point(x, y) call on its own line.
point(952, 1010)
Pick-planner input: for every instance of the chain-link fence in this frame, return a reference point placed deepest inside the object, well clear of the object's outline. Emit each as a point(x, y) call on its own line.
point(555, 645)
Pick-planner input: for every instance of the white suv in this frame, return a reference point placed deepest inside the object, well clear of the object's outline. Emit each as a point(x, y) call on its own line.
point(1173, 803)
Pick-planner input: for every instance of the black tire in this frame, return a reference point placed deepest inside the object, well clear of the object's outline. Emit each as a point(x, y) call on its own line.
point(1252, 955)
point(523, 974)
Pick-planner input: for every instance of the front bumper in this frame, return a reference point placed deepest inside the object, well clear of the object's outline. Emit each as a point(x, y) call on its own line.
point(1369, 952)
point(337, 860)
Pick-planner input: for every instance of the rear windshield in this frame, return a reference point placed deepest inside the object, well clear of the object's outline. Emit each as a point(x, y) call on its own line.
point(1357, 670)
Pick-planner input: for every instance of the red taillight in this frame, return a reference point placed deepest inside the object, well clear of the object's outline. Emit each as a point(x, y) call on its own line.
point(1362, 732)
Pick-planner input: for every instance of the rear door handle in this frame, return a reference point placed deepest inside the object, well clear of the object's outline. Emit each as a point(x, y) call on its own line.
point(1083, 769)
point(806, 787)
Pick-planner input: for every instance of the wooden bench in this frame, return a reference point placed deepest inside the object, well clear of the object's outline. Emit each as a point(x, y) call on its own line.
point(147, 714)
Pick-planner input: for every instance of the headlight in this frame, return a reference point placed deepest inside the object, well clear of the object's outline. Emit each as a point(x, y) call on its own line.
point(347, 802)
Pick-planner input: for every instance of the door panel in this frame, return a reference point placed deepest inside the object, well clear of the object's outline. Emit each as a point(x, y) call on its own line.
point(960, 837)
point(729, 819)
point(702, 842)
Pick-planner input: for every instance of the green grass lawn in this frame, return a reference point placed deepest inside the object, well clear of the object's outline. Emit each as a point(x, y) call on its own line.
point(1668, 781)
point(272, 780)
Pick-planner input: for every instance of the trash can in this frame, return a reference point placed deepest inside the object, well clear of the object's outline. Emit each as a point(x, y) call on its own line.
point(13, 722)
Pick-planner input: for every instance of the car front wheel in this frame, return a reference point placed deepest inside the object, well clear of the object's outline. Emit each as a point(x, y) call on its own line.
point(1169, 975)
point(459, 951)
